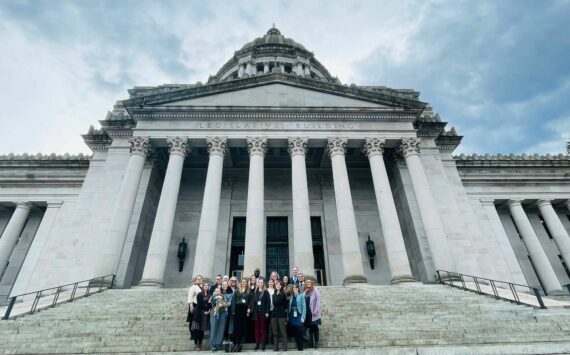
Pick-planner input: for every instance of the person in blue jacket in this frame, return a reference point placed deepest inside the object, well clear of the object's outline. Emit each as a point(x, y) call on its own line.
point(297, 314)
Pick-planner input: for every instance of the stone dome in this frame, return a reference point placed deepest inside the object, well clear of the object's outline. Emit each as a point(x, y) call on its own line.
point(269, 54)
point(273, 36)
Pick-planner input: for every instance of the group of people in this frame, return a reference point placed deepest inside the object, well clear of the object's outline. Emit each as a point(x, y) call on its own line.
point(254, 309)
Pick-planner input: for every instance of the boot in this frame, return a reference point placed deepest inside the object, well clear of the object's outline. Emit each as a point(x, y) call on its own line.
point(256, 346)
point(262, 346)
point(316, 338)
point(311, 344)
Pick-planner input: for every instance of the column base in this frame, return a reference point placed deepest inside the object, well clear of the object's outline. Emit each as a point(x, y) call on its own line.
point(150, 284)
point(558, 292)
point(354, 279)
point(402, 278)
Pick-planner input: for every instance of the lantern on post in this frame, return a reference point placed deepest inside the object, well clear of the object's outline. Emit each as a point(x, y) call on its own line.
point(371, 250)
point(182, 249)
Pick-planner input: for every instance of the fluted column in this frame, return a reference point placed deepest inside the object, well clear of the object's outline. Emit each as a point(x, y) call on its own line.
point(208, 230)
point(12, 233)
point(556, 228)
point(240, 70)
point(393, 239)
point(299, 68)
point(302, 237)
point(153, 273)
point(255, 215)
point(265, 67)
point(537, 254)
point(349, 243)
point(435, 233)
point(307, 71)
point(123, 208)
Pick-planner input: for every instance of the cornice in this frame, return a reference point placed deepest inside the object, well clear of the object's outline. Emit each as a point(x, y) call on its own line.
point(272, 78)
point(263, 113)
point(44, 157)
point(536, 158)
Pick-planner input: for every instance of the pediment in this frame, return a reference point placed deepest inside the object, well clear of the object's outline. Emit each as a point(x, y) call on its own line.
point(275, 95)
point(275, 90)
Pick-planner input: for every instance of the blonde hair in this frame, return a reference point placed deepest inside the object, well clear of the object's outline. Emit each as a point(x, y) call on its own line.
point(241, 285)
point(257, 285)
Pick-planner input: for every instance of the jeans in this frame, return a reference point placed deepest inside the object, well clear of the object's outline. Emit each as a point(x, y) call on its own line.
point(217, 331)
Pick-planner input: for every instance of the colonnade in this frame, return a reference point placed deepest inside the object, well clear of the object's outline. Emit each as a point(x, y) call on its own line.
point(542, 265)
point(249, 67)
point(352, 259)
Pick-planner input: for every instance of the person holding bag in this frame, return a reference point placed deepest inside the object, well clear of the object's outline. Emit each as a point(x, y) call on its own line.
point(297, 314)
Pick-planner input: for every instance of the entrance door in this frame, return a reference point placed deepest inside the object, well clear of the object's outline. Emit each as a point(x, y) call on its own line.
point(277, 249)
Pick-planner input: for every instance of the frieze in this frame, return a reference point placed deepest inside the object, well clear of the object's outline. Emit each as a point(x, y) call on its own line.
point(280, 116)
point(511, 157)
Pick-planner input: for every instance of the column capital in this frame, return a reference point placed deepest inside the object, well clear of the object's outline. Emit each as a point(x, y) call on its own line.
point(373, 146)
point(257, 145)
point(298, 145)
point(140, 146)
point(409, 146)
point(543, 202)
point(514, 202)
point(23, 204)
point(179, 146)
point(336, 146)
point(217, 145)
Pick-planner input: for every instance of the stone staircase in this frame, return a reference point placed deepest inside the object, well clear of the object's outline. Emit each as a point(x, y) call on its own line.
point(400, 319)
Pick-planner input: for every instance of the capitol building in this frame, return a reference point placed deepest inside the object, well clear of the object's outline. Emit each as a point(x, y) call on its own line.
point(274, 163)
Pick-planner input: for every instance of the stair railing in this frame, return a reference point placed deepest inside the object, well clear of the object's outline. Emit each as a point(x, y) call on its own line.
point(50, 297)
point(499, 289)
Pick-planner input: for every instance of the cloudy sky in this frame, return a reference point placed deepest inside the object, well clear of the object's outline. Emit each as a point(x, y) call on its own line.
point(499, 71)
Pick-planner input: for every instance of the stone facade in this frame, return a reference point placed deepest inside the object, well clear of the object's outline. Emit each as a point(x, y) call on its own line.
point(314, 167)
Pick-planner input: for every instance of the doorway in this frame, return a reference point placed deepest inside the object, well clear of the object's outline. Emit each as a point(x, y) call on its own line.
point(277, 248)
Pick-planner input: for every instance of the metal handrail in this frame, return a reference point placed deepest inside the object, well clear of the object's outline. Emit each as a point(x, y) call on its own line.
point(98, 283)
point(453, 277)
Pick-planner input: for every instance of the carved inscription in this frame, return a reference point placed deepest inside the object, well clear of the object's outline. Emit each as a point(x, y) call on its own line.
point(273, 125)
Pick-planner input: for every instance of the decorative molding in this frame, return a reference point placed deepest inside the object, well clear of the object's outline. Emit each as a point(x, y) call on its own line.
point(544, 201)
point(257, 145)
point(140, 145)
point(281, 115)
point(409, 146)
point(23, 204)
point(298, 146)
point(373, 146)
point(336, 146)
point(511, 156)
point(41, 156)
point(178, 145)
point(217, 145)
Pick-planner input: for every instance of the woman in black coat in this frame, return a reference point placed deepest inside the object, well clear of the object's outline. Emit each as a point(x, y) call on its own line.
point(240, 304)
point(259, 311)
point(201, 317)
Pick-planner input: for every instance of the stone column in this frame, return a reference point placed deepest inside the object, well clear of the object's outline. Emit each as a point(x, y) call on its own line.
point(12, 232)
point(435, 233)
point(123, 208)
point(302, 237)
point(208, 230)
point(349, 243)
point(240, 70)
point(265, 67)
point(155, 264)
point(248, 69)
point(282, 67)
point(33, 255)
point(299, 68)
point(556, 228)
point(393, 238)
point(307, 70)
point(538, 255)
point(255, 215)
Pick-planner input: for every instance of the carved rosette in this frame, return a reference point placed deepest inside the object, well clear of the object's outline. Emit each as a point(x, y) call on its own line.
point(257, 145)
point(298, 146)
point(140, 145)
point(336, 146)
point(373, 146)
point(410, 146)
point(178, 145)
point(217, 145)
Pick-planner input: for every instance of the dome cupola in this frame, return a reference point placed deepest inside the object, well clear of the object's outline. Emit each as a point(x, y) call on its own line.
point(273, 53)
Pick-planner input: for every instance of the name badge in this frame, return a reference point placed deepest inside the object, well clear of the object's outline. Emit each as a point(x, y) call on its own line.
point(242, 301)
point(259, 303)
point(295, 313)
